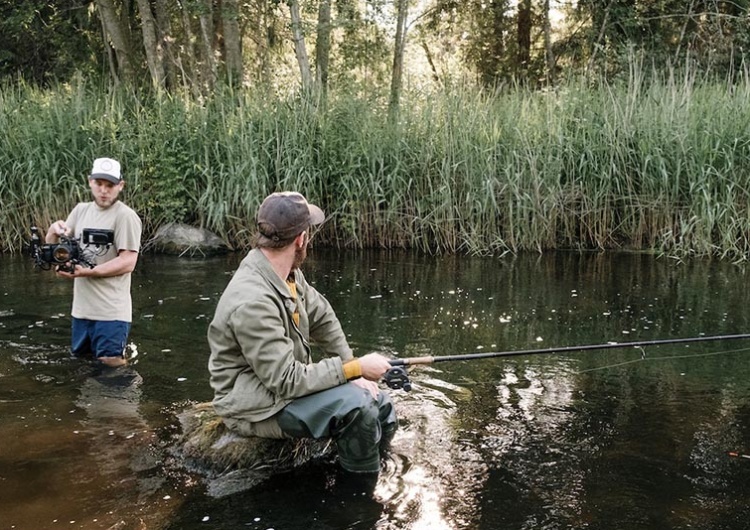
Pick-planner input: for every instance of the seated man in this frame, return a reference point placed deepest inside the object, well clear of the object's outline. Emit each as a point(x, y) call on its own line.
point(264, 379)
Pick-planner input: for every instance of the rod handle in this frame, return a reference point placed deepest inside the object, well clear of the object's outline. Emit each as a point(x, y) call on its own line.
point(412, 360)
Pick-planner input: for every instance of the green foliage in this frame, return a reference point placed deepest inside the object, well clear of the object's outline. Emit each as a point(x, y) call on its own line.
point(501, 42)
point(362, 54)
point(714, 35)
point(659, 163)
point(45, 41)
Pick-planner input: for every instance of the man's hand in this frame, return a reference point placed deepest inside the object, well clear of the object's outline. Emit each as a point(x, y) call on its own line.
point(77, 271)
point(370, 386)
point(374, 366)
point(57, 229)
point(124, 262)
point(371, 368)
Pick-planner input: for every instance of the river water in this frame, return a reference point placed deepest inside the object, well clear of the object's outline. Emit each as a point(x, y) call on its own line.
point(631, 438)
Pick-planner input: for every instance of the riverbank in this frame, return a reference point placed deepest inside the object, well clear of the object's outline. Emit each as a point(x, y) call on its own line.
point(659, 164)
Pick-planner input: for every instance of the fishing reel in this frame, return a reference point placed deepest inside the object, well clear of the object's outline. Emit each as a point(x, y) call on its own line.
point(397, 378)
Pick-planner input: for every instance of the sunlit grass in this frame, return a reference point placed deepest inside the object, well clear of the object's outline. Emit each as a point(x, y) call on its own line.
point(661, 164)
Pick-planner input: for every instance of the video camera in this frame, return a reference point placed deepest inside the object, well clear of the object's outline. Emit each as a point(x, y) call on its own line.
point(69, 252)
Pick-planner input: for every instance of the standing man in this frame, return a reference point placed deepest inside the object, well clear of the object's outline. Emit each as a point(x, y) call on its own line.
point(265, 381)
point(102, 308)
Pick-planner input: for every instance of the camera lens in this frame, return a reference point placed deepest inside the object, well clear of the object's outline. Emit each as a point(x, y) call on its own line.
point(61, 254)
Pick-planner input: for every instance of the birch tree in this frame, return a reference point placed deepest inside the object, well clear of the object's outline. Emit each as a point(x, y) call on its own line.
point(205, 17)
point(164, 32)
point(549, 57)
point(523, 37)
point(300, 51)
point(402, 9)
point(323, 46)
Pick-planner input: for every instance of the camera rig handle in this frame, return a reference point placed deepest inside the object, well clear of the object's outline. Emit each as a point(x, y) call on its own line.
point(36, 240)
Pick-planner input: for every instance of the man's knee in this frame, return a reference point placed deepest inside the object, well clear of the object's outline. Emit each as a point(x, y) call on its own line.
point(372, 415)
point(364, 416)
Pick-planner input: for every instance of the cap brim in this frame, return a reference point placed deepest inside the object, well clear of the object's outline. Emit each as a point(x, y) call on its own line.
point(316, 214)
point(104, 176)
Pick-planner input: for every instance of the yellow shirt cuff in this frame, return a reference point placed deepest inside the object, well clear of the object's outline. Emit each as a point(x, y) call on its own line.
point(352, 369)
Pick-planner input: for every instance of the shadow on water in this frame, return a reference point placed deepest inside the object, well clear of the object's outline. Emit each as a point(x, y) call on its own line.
point(626, 438)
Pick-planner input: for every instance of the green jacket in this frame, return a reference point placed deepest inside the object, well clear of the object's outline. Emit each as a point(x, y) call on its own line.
point(260, 360)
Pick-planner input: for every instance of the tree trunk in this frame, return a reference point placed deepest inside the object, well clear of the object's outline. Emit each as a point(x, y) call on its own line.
point(497, 46)
point(190, 76)
point(688, 18)
point(266, 41)
point(323, 46)
point(210, 71)
point(230, 16)
point(299, 47)
point(164, 31)
point(154, 56)
point(430, 61)
point(599, 39)
point(111, 59)
point(548, 54)
point(523, 36)
point(118, 37)
point(398, 58)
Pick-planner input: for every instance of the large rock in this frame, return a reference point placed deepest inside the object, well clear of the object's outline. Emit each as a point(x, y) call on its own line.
point(229, 462)
point(184, 240)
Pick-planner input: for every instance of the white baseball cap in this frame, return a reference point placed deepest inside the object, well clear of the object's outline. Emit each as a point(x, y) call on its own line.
point(107, 169)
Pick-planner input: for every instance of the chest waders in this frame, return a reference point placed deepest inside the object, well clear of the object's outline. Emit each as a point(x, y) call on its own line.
point(360, 425)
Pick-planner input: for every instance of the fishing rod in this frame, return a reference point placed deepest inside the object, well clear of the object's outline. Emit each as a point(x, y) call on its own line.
point(397, 376)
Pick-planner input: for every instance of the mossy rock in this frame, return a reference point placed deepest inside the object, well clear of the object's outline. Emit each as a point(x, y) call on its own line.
point(230, 462)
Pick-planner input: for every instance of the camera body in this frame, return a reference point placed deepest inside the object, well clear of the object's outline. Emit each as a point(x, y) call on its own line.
point(58, 253)
point(69, 252)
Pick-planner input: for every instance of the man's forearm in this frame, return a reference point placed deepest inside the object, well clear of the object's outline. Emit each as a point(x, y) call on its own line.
point(124, 263)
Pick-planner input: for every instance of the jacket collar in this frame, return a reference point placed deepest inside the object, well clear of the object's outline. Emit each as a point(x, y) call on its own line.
point(257, 260)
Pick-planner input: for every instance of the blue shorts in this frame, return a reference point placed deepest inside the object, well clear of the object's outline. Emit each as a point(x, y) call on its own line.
point(102, 338)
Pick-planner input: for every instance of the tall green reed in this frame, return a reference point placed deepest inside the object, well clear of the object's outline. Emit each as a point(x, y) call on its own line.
point(656, 162)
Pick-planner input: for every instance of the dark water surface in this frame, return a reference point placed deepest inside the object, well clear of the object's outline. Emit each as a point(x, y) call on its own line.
point(616, 439)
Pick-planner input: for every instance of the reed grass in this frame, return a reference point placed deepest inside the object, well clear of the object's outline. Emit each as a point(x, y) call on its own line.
point(657, 162)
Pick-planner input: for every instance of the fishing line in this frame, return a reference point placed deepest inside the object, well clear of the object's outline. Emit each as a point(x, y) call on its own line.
point(397, 377)
point(642, 358)
point(662, 358)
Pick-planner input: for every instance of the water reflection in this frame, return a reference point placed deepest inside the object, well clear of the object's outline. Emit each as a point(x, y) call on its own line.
point(433, 477)
point(110, 399)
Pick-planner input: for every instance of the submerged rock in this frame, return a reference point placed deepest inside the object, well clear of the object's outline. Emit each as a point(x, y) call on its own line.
point(229, 462)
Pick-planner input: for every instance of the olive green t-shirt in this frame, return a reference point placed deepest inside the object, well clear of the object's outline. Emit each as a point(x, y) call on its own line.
point(105, 298)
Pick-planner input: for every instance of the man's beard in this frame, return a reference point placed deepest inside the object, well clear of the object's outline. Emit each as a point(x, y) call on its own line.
point(101, 204)
point(299, 257)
